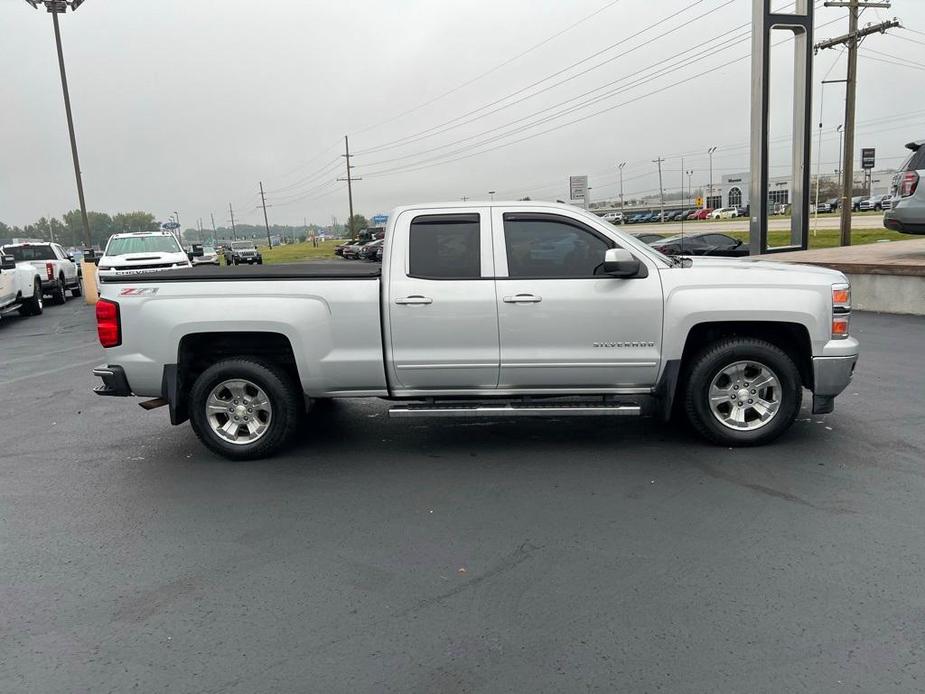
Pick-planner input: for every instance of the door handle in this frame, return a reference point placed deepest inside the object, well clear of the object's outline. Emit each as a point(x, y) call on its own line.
point(414, 300)
point(523, 299)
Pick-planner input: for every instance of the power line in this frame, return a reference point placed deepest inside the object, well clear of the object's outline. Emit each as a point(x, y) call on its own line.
point(893, 62)
point(892, 57)
point(423, 134)
point(661, 66)
point(413, 166)
point(490, 71)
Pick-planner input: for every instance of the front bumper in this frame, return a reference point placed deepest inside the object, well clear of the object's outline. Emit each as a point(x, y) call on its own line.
point(831, 375)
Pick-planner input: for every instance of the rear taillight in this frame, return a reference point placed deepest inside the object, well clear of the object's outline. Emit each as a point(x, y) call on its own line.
point(909, 183)
point(108, 323)
point(50, 270)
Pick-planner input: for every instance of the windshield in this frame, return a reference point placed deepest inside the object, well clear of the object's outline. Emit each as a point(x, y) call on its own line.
point(143, 244)
point(27, 253)
point(242, 244)
point(208, 250)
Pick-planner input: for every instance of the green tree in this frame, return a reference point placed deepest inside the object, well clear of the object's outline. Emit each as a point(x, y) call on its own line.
point(356, 224)
point(135, 221)
point(101, 228)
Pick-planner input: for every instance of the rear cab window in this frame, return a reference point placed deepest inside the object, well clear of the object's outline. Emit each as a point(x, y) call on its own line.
point(27, 253)
point(445, 247)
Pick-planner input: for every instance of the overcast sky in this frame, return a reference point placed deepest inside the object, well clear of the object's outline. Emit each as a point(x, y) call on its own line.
point(186, 104)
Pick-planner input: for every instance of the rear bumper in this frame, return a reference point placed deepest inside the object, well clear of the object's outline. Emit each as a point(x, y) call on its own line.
point(114, 381)
point(831, 375)
point(907, 217)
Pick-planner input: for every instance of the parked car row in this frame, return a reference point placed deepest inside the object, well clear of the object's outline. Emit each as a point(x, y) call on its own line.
point(369, 250)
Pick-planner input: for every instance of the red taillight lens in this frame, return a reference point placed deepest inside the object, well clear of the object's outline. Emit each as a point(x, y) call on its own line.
point(108, 324)
point(50, 270)
point(909, 183)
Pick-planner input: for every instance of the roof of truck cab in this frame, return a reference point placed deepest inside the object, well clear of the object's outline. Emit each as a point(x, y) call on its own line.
point(476, 204)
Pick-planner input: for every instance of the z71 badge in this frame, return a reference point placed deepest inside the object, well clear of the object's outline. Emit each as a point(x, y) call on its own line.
point(139, 291)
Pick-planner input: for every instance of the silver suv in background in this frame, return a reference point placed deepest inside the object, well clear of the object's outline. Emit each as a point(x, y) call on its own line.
point(907, 212)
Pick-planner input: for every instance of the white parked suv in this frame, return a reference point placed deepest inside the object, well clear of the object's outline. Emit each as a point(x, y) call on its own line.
point(132, 254)
point(56, 268)
point(724, 213)
point(613, 217)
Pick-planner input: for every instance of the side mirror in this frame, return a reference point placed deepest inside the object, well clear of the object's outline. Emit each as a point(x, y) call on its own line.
point(619, 262)
point(7, 262)
point(71, 258)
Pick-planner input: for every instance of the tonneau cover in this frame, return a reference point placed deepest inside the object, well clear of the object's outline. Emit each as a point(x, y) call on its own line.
point(331, 270)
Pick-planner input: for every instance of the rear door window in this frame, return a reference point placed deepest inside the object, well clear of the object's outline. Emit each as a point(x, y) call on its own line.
point(445, 247)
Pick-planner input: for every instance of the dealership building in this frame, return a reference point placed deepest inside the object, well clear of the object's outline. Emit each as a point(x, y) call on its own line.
point(734, 189)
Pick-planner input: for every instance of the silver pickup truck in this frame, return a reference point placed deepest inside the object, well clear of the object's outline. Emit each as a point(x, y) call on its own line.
point(483, 310)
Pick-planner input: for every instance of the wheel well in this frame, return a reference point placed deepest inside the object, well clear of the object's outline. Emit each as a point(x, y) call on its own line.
point(198, 351)
point(792, 338)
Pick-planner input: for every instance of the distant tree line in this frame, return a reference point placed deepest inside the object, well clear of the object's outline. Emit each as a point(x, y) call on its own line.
point(68, 231)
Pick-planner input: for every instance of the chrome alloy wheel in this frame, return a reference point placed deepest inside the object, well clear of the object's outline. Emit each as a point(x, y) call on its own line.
point(238, 411)
point(745, 395)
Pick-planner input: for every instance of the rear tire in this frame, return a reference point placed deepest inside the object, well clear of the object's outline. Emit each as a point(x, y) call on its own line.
point(76, 290)
point(35, 305)
point(778, 398)
point(283, 413)
point(59, 293)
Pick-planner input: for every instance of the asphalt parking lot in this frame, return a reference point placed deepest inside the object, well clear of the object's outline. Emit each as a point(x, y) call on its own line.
point(453, 556)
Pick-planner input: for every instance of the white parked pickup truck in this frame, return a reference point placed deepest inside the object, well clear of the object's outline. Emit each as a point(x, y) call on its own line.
point(20, 287)
point(136, 253)
point(483, 309)
point(57, 269)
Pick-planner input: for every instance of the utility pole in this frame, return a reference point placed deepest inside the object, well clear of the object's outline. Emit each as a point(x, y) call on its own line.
point(234, 233)
point(214, 232)
point(661, 190)
point(819, 149)
point(263, 202)
point(56, 7)
point(706, 198)
point(179, 229)
point(464, 198)
point(350, 179)
point(622, 217)
point(852, 40)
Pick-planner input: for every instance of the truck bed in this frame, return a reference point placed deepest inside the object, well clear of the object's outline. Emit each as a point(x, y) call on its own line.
point(342, 270)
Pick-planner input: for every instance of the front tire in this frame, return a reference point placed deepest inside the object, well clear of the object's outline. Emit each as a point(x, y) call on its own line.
point(742, 392)
point(76, 290)
point(244, 409)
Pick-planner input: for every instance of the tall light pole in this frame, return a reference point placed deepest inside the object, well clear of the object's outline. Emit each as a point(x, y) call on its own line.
point(56, 7)
point(491, 195)
point(841, 134)
point(622, 217)
point(706, 199)
point(690, 175)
